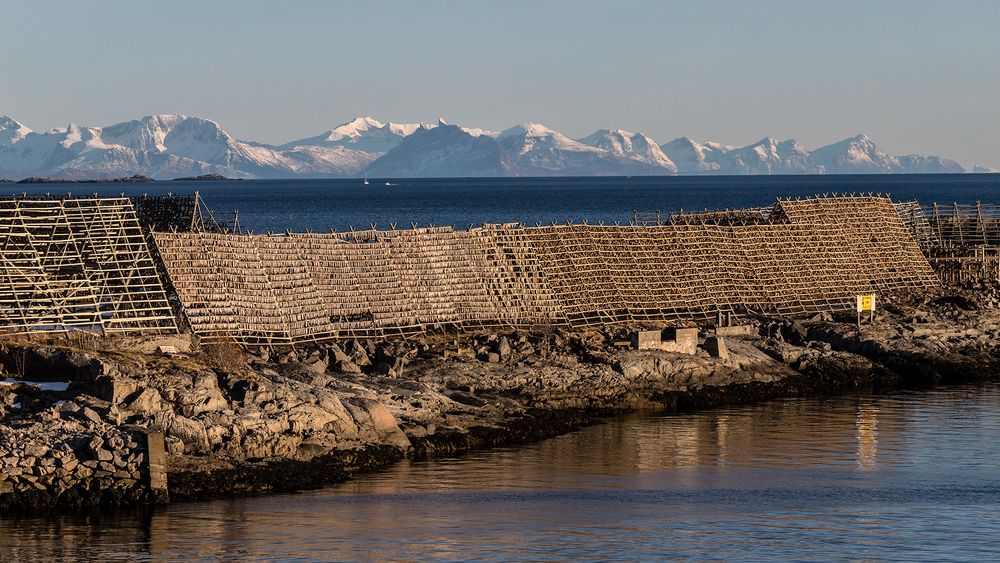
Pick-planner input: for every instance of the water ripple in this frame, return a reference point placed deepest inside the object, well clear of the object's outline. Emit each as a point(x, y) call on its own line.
point(908, 476)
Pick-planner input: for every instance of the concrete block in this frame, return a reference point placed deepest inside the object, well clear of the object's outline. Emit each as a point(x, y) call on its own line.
point(684, 341)
point(737, 330)
point(157, 460)
point(167, 350)
point(686, 336)
point(716, 347)
point(647, 340)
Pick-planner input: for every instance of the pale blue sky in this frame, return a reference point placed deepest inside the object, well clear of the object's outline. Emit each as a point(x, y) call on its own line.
point(916, 76)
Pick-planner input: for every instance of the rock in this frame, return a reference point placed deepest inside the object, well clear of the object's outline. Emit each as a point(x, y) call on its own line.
point(174, 445)
point(147, 401)
point(465, 398)
point(91, 415)
point(316, 364)
point(309, 418)
point(346, 366)
point(503, 347)
point(389, 363)
point(358, 354)
point(368, 413)
point(263, 353)
point(115, 389)
point(416, 431)
point(190, 432)
point(36, 450)
point(822, 346)
point(796, 332)
point(204, 396)
point(337, 355)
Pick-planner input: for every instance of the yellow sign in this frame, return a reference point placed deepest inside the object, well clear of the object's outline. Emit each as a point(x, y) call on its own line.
point(866, 303)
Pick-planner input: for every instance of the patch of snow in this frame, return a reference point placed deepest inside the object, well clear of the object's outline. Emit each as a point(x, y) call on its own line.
point(11, 131)
point(364, 134)
point(634, 146)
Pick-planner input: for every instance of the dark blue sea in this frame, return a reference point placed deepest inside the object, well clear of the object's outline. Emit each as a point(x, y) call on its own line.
point(277, 205)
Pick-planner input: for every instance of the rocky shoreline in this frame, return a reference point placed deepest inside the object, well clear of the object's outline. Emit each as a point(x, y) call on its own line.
point(237, 422)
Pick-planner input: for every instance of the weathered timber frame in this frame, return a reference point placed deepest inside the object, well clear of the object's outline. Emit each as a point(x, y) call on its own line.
point(78, 263)
point(961, 241)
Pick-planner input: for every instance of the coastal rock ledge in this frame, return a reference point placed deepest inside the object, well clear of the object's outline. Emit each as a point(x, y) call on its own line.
point(103, 422)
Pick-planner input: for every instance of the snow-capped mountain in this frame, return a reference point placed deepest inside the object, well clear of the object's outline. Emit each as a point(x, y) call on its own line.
point(164, 146)
point(692, 157)
point(535, 150)
point(768, 156)
point(980, 169)
point(635, 146)
point(440, 152)
point(364, 134)
point(857, 155)
point(923, 164)
point(168, 146)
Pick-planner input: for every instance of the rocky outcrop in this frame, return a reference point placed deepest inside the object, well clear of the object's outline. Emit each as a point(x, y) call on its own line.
point(206, 178)
point(72, 455)
point(248, 421)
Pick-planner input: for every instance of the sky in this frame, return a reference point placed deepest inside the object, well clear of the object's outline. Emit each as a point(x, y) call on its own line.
point(918, 77)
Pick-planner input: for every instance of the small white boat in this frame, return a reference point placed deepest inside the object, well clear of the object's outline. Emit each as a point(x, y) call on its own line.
point(366, 181)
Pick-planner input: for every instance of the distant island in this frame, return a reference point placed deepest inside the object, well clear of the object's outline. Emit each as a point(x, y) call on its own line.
point(206, 178)
point(136, 179)
point(200, 149)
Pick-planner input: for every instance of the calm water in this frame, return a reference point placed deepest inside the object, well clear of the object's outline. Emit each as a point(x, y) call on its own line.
point(907, 476)
point(276, 205)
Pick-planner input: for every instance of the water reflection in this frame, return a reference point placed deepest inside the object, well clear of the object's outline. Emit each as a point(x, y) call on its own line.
point(867, 425)
point(910, 476)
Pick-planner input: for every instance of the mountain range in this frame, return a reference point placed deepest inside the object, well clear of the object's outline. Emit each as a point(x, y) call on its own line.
point(169, 146)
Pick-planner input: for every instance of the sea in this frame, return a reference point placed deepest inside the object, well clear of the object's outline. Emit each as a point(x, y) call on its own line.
point(906, 476)
point(321, 205)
